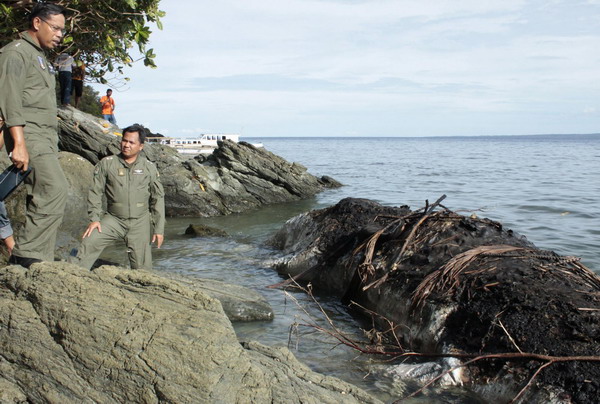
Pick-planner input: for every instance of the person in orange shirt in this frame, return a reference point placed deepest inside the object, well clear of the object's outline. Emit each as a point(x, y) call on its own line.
point(108, 107)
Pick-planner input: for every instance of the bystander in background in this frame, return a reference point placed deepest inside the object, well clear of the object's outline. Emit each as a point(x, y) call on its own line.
point(108, 107)
point(77, 81)
point(64, 63)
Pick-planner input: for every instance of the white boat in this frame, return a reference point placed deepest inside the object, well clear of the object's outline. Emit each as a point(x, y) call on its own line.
point(205, 144)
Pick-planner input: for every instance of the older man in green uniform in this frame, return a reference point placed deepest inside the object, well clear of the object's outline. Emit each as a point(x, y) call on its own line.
point(134, 201)
point(28, 107)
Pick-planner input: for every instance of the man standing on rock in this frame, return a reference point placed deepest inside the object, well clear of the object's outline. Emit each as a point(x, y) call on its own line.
point(108, 107)
point(64, 63)
point(28, 107)
point(134, 200)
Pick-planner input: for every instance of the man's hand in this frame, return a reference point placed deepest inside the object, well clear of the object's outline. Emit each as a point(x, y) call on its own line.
point(158, 238)
point(19, 155)
point(90, 229)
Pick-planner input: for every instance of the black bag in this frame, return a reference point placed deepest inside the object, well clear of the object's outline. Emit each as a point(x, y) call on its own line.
point(10, 180)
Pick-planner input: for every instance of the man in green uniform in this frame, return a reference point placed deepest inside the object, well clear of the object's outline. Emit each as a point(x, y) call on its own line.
point(28, 107)
point(134, 200)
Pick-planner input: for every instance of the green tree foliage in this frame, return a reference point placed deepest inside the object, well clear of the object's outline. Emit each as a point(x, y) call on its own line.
point(101, 33)
point(90, 101)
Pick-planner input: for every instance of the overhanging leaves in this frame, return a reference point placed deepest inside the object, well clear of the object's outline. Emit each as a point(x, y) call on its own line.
point(100, 32)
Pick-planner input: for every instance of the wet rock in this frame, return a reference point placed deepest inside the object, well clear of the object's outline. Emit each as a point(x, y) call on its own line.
point(199, 230)
point(112, 335)
point(330, 182)
point(237, 177)
point(240, 304)
point(456, 284)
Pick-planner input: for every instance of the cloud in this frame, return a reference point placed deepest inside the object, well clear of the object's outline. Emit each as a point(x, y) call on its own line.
point(271, 64)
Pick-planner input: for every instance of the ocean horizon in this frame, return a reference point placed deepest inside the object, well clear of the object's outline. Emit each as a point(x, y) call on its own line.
point(547, 136)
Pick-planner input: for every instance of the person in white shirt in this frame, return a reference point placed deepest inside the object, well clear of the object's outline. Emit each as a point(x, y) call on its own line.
point(64, 63)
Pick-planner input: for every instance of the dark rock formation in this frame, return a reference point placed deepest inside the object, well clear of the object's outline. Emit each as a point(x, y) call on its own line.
point(118, 336)
point(457, 284)
point(198, 230)
point(235, 178)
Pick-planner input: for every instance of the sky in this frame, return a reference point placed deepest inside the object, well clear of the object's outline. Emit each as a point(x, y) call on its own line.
point(265, 68)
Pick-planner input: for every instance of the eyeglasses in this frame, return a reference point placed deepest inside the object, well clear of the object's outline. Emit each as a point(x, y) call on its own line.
point(54, 27)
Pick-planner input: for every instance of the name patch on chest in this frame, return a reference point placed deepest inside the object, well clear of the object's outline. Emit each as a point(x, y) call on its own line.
point(138, 171)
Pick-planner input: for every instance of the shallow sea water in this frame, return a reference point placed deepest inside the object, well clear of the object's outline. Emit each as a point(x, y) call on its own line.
point(543, 187)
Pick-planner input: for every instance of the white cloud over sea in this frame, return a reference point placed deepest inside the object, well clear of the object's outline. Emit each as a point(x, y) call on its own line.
point(370, 68)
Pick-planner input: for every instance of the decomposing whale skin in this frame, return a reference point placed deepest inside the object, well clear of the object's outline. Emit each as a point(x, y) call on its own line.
point(457, 284)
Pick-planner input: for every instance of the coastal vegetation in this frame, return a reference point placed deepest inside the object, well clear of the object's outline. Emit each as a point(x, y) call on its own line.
point(105, 35)
point(90, 101)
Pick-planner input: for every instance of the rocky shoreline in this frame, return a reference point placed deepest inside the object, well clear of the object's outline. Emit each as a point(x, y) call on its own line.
point(454, 284)
point(113, 335)
point(235, 178)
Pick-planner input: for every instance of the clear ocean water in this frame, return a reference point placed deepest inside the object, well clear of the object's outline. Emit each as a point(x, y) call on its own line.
point(544, 187)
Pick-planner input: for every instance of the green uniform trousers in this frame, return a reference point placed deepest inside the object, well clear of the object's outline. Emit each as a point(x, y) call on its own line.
point(135, 233)
point(47, 190)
